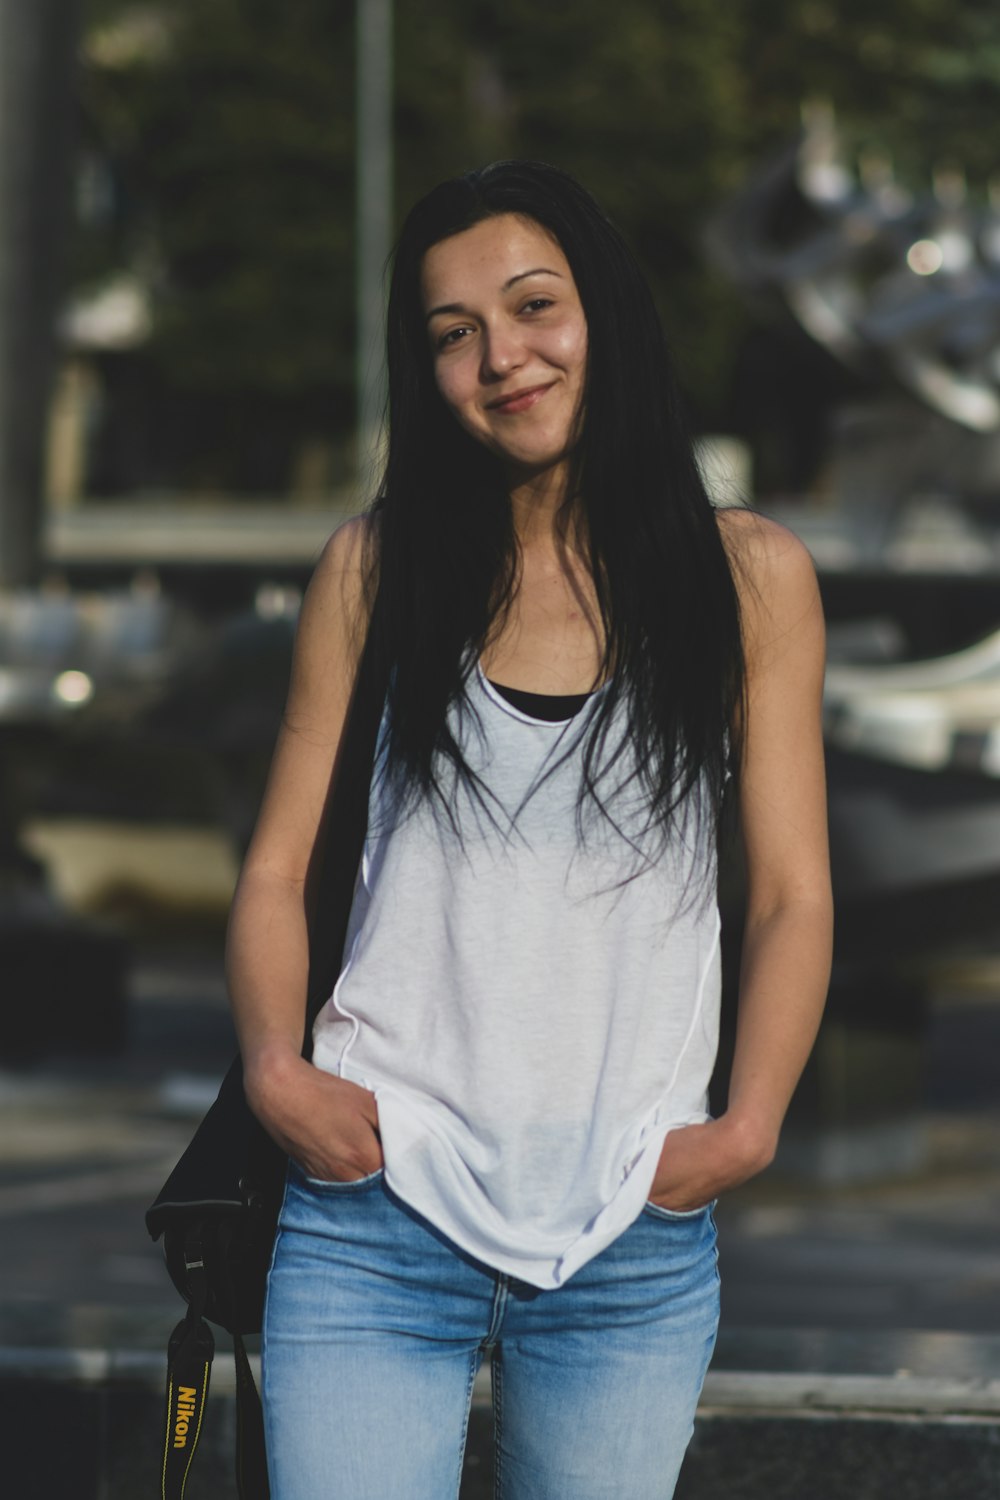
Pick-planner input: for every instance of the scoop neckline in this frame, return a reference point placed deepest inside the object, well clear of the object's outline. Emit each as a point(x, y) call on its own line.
point(516, 713)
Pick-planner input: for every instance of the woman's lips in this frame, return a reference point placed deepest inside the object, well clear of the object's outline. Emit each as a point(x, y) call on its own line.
point(519, 400)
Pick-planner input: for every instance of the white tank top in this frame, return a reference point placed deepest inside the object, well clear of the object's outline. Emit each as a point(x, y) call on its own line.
point(531, 1022)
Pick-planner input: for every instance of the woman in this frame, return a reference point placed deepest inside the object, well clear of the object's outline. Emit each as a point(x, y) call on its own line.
point(501, 1144)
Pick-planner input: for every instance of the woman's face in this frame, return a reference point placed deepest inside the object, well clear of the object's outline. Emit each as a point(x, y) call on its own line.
point(508, 339)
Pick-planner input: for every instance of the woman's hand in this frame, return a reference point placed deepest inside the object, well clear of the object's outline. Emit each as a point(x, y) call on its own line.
point(698, 1162)
point(327, 1125)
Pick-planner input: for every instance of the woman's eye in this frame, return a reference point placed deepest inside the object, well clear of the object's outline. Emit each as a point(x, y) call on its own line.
point(537, 304)
point(453, 336)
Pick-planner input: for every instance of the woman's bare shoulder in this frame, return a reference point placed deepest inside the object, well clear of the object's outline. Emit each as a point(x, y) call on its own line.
point(772, 569)
point(339, 591)
point(347, 555)
point(333, 620)
point(757, 541)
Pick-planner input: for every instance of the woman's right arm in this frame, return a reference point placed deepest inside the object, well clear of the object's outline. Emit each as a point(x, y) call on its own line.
point(327, 1124)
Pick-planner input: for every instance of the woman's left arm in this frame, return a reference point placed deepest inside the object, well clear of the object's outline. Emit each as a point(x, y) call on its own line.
point(788, 931)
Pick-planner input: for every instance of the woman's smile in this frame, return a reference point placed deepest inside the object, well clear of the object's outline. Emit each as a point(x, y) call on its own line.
point(518, 401)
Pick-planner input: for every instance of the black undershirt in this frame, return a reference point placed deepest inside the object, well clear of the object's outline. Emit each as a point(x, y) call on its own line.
point(554, 708)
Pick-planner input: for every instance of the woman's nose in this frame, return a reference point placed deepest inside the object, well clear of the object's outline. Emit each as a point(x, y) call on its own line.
point(503, 351)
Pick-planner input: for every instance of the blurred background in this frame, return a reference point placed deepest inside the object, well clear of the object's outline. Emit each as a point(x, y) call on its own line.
point(196, 203)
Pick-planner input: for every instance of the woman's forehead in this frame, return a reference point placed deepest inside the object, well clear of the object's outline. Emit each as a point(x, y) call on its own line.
point(488, 256)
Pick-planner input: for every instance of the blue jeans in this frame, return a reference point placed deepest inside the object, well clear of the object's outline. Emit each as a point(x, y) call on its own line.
point(376, 1324)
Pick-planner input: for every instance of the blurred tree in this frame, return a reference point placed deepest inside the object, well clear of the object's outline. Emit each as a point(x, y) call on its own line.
point(228, 130)
point(915, 77)
point(229, 138)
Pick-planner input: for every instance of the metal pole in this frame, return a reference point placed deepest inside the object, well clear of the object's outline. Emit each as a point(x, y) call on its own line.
point(37, 111)
point(374, 162)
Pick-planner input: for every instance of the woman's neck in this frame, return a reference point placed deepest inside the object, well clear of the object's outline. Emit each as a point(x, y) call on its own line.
point(537, 501)
point(549, 637)
point(542, 520)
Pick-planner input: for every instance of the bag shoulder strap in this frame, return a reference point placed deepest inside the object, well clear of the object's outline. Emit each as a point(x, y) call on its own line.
point(341, 839)
point(189, 1371)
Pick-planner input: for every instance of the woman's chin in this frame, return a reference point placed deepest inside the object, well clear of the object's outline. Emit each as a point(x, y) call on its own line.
point(532, 467)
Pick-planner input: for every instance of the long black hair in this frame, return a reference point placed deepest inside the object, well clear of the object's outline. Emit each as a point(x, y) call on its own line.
point(446, 552)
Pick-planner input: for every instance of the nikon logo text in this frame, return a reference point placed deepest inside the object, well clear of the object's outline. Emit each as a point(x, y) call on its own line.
point(186, 1408)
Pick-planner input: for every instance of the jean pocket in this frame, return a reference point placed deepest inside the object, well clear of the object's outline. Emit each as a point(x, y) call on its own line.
point(656, 1212)
point(351, 1185)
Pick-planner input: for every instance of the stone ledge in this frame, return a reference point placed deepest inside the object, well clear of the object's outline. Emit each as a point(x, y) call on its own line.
point(849, 1395)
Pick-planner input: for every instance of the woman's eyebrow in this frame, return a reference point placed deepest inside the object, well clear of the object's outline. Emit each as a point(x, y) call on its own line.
point(537, 271)
point(459, 307)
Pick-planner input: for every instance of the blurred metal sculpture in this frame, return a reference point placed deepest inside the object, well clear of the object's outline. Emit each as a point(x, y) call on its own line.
point(914, 765)
point(882, 279)
point(903, 289)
